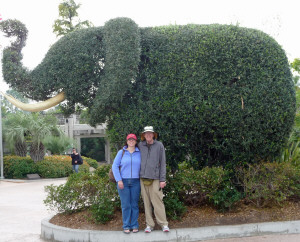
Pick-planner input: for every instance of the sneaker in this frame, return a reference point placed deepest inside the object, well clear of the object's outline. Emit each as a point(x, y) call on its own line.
point(148, 229)
point(165, 229)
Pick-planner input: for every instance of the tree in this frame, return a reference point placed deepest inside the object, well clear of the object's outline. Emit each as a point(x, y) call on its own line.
point(295, 65)
point(68, 20)
point(15, 129)
point(58, 144)
point(22, 128)
point(39, 128)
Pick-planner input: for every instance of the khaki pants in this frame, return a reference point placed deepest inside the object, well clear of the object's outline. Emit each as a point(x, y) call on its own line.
point(152, 195)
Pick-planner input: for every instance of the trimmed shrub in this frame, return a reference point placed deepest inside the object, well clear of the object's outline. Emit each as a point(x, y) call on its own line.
point(55, 166)
point(268, 183)
point(18, 167)
point(216, 94)
point(51, 167)
point(261, 184)
point(90, 161)
point(84, 190)
point(206, 186)
point(102, 171)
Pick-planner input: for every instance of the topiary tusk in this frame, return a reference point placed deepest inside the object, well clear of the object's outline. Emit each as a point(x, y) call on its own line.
point(36, 107)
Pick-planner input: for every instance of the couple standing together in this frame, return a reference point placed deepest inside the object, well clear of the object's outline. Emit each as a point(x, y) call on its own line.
point(141, 168)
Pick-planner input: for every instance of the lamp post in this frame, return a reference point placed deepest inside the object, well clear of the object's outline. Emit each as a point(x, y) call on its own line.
point(1, 140)
point(1, 144)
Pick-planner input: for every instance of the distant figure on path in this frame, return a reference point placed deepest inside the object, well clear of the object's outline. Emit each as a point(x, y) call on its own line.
point(76, 160)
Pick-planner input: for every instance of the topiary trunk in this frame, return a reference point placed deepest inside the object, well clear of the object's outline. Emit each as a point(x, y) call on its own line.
point(37, 151)
point(21, 148)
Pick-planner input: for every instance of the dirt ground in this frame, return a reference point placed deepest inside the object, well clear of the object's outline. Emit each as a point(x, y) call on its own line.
point(194, 217)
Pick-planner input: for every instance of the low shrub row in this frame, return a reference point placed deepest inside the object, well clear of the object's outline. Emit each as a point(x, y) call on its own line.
point(51, 167)
point(261, 184)
point(93, 163)
point(85, 190)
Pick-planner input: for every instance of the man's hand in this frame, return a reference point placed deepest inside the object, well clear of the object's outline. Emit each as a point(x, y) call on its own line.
point(162, 184)
point(75, 162)
point(120, 184)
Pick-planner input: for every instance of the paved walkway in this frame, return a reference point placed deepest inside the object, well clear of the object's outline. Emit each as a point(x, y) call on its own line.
point(22, 210)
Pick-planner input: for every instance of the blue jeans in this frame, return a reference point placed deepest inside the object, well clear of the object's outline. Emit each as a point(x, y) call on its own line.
point(130, 196)
point(75, 168)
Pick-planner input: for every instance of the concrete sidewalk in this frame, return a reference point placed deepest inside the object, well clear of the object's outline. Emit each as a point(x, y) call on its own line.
point(22, 211)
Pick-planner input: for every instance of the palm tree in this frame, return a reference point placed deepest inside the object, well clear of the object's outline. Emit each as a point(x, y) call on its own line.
point(15, 129)
point(58, 144)
point(39, 128)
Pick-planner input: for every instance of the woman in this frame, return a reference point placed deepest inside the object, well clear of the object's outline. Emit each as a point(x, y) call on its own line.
point(126, 169)
point(76, 160)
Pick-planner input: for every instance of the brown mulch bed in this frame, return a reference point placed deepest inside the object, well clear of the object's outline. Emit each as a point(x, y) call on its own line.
point(194, 217)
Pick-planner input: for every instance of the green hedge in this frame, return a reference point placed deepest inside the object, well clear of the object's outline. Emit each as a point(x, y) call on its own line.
point(217, 94)
point(92, 162)
point(18, 167)
point(51, 167)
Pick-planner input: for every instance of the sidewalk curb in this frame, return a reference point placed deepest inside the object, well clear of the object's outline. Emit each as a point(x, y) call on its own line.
point(33, 180)
point(53, 232)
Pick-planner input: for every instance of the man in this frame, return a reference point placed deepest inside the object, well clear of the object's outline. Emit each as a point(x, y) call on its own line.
point(153, 178)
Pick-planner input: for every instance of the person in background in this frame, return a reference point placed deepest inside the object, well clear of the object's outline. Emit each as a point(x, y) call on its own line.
point(76, 160)
point(126, 170)
point(153, 178)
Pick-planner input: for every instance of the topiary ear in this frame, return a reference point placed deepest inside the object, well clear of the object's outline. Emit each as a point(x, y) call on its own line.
point(122, 56)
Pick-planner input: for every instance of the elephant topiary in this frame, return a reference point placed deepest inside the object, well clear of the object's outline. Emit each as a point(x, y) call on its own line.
point(217, 94)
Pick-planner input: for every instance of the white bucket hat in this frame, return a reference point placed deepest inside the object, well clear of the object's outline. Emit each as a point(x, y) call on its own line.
point(148, 129)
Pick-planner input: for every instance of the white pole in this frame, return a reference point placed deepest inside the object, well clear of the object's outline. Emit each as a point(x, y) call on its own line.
point(1, 146)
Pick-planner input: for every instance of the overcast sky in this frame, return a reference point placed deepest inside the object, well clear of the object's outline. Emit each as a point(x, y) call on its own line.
point(278, 18)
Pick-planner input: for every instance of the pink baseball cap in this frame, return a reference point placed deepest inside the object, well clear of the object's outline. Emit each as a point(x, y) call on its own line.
point(131, 136)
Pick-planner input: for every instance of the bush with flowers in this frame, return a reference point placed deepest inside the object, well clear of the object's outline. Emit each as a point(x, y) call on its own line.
point(50, 167)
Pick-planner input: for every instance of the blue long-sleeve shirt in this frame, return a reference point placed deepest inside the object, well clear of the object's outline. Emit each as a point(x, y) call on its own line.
point(130, 164)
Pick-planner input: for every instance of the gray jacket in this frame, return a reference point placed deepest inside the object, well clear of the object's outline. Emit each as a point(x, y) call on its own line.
point(153, 161)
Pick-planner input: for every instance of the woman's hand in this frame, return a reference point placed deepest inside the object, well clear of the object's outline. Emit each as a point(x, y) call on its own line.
point(162, 184)
point(120, 184)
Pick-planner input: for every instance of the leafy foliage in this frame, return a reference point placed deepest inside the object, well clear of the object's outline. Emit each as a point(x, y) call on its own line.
point(295, 65)
point(90, 161)
point(68, 15)
point(93, 148)
point(18, 167)
point(50, 167)
point(55, 167)
point(84, 190)
point(217, 94)
point(266, 183)
point(207, 186)
point(58, 144)
point(121, 41)
point(262, 184)
point(15, 129)
point(39, 128)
